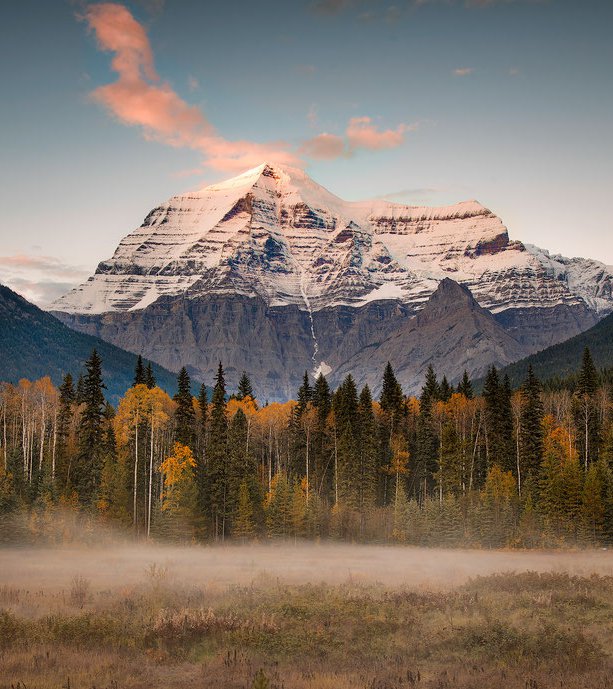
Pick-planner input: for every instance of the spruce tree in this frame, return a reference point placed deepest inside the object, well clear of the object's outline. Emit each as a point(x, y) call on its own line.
point(322, 401)
point(322, 398)
point(426, 460)
point(245, 389)
point(80, 389)
point(466, 387)
point(531, 428)
point(279, 507)
point(445, 390)
point(64, 420)
point(139, 372)
point(585, 411)
point(499, 422)
point(217, 450)
point(392, 399)
point(346, 415)
point(185, 418)
point(244, 527)
point(367, 456)
point(588, 375)
point(200, 470)
point(305, 395)
point(88, 468)
point(149, 377)
point(239, 466)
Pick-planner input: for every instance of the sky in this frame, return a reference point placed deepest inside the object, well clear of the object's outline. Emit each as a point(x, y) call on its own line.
point(108, 109)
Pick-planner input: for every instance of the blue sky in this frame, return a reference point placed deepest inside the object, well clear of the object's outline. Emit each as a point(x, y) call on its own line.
point(506, 101)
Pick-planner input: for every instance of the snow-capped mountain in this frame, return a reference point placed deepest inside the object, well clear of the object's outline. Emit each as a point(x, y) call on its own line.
point(276, 234)
point(275, 242)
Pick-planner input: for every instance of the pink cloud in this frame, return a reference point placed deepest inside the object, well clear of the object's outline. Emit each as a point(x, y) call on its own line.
point(360, 134)
point(324, 147)
point(140, 98)
point(463, 71)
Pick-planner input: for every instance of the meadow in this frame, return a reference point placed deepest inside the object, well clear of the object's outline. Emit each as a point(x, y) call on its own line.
point(304, 616)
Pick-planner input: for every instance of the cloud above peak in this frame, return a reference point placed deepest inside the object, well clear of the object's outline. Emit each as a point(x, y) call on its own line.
point(360, 134)
point(139, 97)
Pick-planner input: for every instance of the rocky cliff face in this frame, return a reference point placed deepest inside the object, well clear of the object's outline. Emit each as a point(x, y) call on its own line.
point(452, 333)
point(272, 273)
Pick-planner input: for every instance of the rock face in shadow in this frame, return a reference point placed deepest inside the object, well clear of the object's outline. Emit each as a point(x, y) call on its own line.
point(452, 333)
point(275, 345)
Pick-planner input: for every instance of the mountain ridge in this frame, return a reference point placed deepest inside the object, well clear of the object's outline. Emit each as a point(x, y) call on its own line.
point(270, 272)
point(273, 232)
point(33, 344)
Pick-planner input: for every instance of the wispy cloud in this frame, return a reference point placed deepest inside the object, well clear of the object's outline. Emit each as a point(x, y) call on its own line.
point(140, 98)
point(463, 71)
point(41, 279)
point(361, 134)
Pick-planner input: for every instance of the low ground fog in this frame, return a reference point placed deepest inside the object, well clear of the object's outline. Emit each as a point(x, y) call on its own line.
point(121, 565)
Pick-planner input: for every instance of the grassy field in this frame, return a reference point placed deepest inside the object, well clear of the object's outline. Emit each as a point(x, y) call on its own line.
point(130, 617)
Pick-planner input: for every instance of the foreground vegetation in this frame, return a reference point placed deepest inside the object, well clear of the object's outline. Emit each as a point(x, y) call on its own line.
point(535, 630)
point(523, 468)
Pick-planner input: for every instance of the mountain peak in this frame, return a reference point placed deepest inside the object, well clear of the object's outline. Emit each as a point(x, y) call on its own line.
point(450, 297)
point(275, 233)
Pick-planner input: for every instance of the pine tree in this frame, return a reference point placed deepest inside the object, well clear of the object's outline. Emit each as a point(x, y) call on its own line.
point(322, 401)
point(139, 372)
point(149, 377)
point(239, 465)
point(593, 503)
point(244, 522)
point(585, 411)
point(367, 456)
point(426, 460)
point(322, 398)
point(88, 468)
point(392, 400)
point(185, 418)
point(200, 470)
point(445, 390)
point(114, 496)
point(588, 376)
point(531, 428)
point(466, 387)
point(80, 390)
point(217, 449)
point(279, 507)
point(64, 421)
point(346, 416)
point(245, 388)
point(499, 422)
point(305, 395)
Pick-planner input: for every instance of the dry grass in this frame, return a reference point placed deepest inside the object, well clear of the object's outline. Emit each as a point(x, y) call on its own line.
point(527, 630)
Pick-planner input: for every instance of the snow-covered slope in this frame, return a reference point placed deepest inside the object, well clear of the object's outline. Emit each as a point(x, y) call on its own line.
point(274, 233)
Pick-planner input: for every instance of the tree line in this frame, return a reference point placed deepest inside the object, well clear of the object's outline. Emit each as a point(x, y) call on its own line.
point(527, 467)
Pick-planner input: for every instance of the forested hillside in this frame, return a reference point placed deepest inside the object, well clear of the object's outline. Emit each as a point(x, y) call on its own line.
point(34, 343)
point(507, 468)
point(563, 360)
